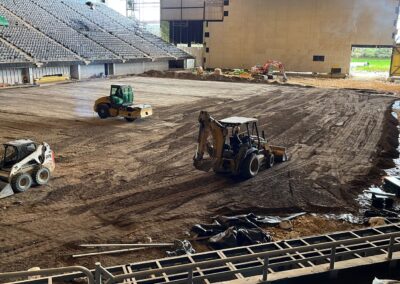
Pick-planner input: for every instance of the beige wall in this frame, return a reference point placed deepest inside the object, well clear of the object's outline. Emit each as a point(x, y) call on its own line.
point(292, 31)
point(197, 51)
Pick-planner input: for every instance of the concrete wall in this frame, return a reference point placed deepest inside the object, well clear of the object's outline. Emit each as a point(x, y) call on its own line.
point(91, 71)
point(139, 67)
point(196, 51)
point(75, 71)
point(161, 66)
point(293, 31)
point(11, 76)
point(43, 71)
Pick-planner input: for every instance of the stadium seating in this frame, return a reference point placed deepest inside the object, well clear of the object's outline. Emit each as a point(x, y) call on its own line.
point(32, 42)
point(90, 30)
point(113, 27)
point(10, 55)
point(134, 26)
point(63, 34)
point(70, 31)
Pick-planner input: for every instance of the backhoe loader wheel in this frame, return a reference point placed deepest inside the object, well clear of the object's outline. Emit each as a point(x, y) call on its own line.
point(250, 166)
point(103, 111)
point(281, 159)
point(269, 161)
point(21, 182)
point(42, 176)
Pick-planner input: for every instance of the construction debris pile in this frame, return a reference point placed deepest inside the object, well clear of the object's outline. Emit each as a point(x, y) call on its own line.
point(226, 232)
point(181, 248)
point(382, 202)
point(235, 75)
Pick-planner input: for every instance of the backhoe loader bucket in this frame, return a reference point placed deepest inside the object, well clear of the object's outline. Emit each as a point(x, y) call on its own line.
point(203, 164)
point(5, 190)
point(279, 153)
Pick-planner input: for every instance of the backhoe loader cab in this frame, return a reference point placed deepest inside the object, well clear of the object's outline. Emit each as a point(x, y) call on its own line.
point(245, 128)
point(120, 103)
point(234, 145)
point(24, 162)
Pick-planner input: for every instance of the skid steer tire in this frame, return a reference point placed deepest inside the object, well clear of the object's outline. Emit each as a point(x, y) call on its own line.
point(42, 176)
point(250, 166)
point(103, 111)
point(269, 161)
point(21, 182)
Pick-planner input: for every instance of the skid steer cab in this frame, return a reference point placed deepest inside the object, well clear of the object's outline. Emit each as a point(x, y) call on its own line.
point(234, 145)
point(120, 104)
point(24, 163)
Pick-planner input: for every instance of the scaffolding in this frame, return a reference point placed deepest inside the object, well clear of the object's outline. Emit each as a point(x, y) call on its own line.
point(145, 11)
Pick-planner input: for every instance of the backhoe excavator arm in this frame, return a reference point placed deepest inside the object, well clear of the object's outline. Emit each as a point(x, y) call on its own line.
point(214, 147)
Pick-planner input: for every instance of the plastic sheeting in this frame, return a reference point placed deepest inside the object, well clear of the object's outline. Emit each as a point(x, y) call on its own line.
point(181, 248)
point(226, 232)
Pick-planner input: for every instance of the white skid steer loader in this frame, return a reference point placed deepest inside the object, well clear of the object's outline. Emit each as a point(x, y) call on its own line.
point(23, 164)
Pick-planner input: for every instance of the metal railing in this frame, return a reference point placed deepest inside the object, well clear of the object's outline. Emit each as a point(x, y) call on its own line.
point(261, 262)
point(104, 276)
point(86, 273)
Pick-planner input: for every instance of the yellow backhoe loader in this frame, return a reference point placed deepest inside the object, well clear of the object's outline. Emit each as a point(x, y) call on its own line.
point(223, 147)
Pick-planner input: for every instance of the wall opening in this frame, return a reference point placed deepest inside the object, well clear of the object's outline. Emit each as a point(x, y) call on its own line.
point(187, 32)
point(370, 61)
point(176, 64)
point(108, 69)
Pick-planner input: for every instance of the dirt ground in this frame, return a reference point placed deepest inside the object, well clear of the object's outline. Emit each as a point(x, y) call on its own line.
point(352, 83)
point(125, 182)
point(379, 85)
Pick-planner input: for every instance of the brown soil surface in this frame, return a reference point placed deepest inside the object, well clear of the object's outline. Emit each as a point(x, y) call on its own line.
point(374, 85)
point(365, 84)
point(124, 182)
point(308, 225)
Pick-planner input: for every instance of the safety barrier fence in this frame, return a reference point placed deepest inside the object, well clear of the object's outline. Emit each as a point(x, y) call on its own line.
point(236, 263)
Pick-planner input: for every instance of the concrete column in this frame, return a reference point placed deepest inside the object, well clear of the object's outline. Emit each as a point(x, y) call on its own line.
point(75, 72)
point(28, 74)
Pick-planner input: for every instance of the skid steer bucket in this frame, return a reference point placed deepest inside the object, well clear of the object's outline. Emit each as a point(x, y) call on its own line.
point(5, 190)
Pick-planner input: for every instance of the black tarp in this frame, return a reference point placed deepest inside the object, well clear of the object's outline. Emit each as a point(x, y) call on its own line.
point(232, 231)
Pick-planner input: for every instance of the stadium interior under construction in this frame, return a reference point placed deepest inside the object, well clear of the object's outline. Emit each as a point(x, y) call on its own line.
point(199, 141)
